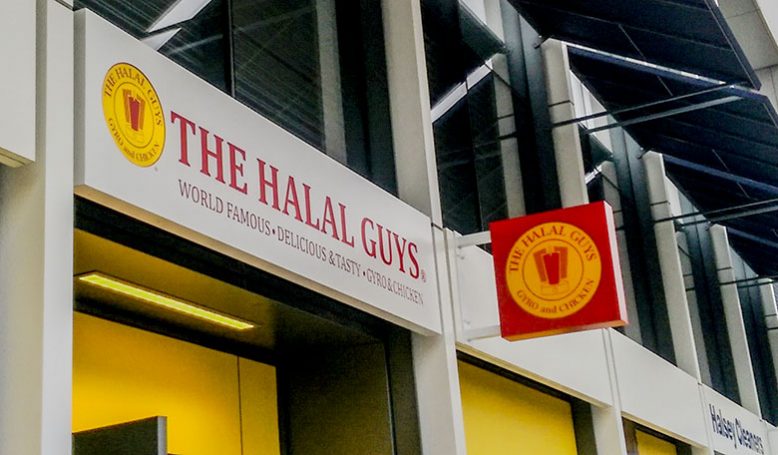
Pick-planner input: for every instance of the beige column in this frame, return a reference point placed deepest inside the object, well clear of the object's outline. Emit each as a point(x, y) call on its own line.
point(36, 260)
point(414, 146)
point(434, 357)
point(567, 144)
point(733, 314)
point(670, 263)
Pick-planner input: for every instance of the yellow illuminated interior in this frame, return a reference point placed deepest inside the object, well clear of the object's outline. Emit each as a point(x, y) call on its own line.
point(651, 445)
point(148, 296)
point(215, 403)
point(504, 417)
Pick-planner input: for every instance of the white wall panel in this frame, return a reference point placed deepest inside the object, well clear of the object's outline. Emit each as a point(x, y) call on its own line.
point(36, 262)
point(575, 363)
point(769, 12)
point(17, 81)
point(655, 393)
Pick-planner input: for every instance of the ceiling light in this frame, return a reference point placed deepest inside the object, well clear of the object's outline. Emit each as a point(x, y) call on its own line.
point(171, 303)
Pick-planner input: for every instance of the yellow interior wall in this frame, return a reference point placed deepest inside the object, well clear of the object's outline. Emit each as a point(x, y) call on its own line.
point(651, 445)
point(504, 417)
point(259, 408)
point(122, 374)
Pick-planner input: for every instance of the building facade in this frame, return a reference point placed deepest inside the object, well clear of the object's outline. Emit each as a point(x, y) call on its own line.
point(244, 226)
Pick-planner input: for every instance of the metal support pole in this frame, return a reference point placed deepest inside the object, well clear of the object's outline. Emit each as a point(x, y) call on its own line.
point(642, 106)
point(479, 238)
point(669, 113)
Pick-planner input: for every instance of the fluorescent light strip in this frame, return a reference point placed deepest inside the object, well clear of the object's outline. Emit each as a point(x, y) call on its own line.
point(148, 296)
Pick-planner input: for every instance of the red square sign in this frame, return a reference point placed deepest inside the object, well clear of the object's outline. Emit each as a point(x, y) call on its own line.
point(558, 272)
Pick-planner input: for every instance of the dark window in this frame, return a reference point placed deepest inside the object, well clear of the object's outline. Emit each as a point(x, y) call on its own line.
point(277, 64)
point(758, 341)
point(470, 170)
point(474, 116)
point(315, 67)
point(198, 44)
point(594, 155)
point(710, 308)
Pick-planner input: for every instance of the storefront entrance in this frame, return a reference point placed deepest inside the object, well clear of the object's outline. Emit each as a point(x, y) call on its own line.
point(182, 350)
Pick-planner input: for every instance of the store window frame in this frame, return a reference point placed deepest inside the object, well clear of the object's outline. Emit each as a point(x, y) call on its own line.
point(403, 423)
point(583, 423)
point(630, 434)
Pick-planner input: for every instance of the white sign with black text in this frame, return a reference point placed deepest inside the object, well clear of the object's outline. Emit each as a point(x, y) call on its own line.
point(735, 430)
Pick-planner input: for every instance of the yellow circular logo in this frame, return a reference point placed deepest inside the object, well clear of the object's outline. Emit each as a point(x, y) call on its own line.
point(553, 270)
point(133, 114)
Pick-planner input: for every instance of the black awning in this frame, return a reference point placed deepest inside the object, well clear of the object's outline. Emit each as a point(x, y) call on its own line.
point(688, 35)
point(722, 156)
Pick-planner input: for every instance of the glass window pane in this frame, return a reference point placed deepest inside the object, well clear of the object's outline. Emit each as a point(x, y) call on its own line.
point(277, 63)
point(197, 43)
point(314, 67)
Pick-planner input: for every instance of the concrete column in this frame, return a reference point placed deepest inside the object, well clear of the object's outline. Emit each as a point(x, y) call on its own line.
point(414, 145)
point(36, 260)
point(733, 313)
point(694, 308)
point(567, 145)
point(434, 357)
point(329, 67)
point(767, 293)
point(17, 82)
point(670, 264)
point(509, 147)
point(437, 375)
point(608, 427)
point(503, 95)
point(612, 196)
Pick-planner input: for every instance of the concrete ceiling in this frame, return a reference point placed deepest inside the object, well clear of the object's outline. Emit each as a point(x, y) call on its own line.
point(751, 30)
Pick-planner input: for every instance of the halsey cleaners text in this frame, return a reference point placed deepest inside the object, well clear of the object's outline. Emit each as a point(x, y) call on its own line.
point(226, 163)
point(734, 430)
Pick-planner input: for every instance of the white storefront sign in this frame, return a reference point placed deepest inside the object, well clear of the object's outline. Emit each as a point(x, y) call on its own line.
point(735, 431)
point(163, 145)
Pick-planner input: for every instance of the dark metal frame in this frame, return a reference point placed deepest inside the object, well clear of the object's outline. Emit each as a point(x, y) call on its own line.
point(642, 247)
point(751, 77)
point(758, 343)
point(725, 214)
point(626, 110)
point(533, 124)
point(711, 306)
point(657, 115)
